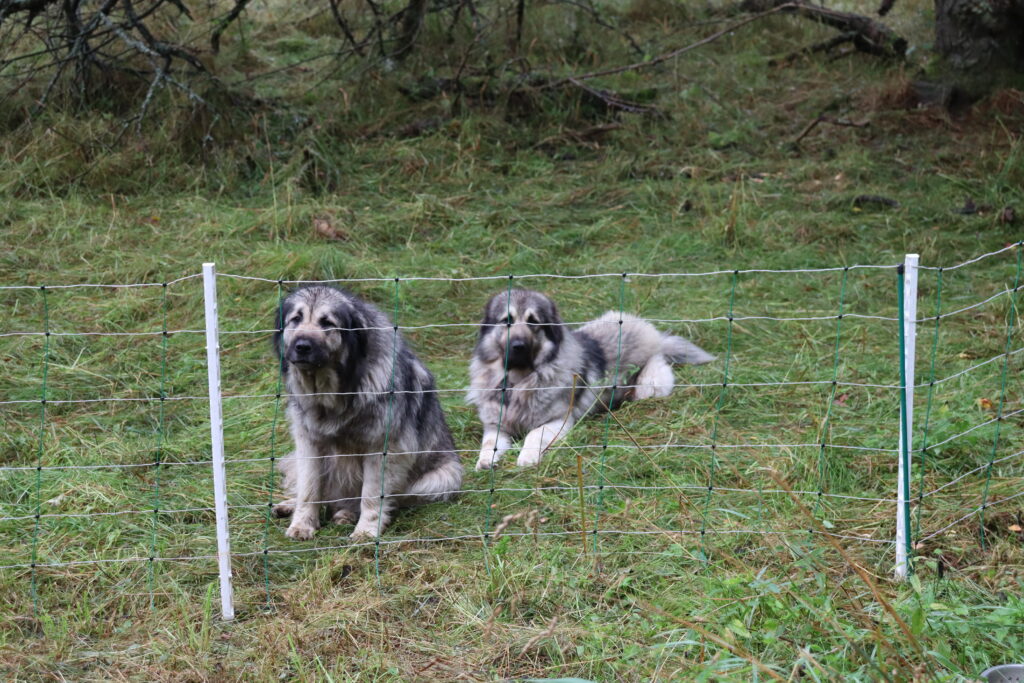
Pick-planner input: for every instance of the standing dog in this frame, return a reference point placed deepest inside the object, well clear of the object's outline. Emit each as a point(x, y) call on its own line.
point(361, 407)
point(555, 375)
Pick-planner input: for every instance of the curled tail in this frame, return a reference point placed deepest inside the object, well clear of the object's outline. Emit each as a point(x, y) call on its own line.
point(683, 351)
point(438, 484)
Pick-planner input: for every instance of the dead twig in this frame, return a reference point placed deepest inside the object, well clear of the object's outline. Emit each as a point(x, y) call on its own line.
point(823, 46)
point(828, 119)
point(546, 633)
point(532, 521)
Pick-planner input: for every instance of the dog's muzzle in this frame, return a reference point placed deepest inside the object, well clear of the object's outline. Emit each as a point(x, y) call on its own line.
point(519, 354)
point(305, 354)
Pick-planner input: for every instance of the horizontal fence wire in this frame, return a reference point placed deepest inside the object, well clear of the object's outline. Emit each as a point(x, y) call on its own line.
point(558, 276)
point(458, 390)
point(462, 537)
point(476, 324)
point(553, 449)
point(88, 285)
point(553, 276)
point(977, 469)
point(535, 489)
point(976, 511)
point(976, 427)
point(469, 325)
point(976, 259)
point(462, 390)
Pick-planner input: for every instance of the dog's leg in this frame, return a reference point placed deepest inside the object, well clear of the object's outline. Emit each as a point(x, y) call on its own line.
point(342, 477)
point(656, 379)
point(284, 509)
point(306, 514)
point(375, 512)
point(539, 439)
point(494, 445)
point(345, 514)
point(287, 467)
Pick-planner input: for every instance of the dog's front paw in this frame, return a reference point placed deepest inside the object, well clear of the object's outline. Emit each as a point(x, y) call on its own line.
point(284, 509)
point(364, 532)
point(528, 457)
point(642, 392)
point(370, 525)
point(345, 516)
point(487, 460)
point(533, 448)
point(300, 532)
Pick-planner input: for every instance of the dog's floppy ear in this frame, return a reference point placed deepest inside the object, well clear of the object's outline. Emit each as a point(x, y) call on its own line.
point(552, 322)
point(277, 341)
point(489, 319)
point(352, 324)
point(356, 340)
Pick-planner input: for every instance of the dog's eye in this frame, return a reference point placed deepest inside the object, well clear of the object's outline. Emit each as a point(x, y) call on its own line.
point(505, 321)
point(295, 319)
point(326, 322)
point(532, 320)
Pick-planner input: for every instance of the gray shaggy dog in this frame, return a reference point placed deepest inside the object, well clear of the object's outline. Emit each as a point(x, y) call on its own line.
point(556, 375)
point(361, 405)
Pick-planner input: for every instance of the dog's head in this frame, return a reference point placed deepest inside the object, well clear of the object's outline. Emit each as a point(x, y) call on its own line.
point(520, 328)
point(320, 327)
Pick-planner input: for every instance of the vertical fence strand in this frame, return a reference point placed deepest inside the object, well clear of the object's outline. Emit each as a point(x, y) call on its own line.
point(712, 459)
point(158, 459)
point(387, 434)
point(273, 448)
point(501, 413)
point(826, 423)
point(1010, 324)
point(39, 453)
point(608, 417)
point(928, 406)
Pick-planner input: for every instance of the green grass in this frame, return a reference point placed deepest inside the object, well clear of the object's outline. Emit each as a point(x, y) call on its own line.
point(714, 185)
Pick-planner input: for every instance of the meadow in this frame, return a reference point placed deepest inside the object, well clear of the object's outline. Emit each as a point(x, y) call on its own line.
point(740, 529)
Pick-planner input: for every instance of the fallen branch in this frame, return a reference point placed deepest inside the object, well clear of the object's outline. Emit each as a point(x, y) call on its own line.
point(827, 119)
point(868, 35)
point(823, 46)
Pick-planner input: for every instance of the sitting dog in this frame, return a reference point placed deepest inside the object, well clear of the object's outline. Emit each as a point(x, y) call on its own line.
point(369, 432)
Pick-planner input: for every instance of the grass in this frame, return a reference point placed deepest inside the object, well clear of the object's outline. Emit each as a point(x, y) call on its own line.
point(715, 185)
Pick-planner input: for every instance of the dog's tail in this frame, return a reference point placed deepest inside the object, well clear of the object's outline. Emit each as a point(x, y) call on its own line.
point(440, 483)
point(683, 351)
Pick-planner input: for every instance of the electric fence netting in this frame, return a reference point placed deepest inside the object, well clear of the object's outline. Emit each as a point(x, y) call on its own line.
point(793, 433)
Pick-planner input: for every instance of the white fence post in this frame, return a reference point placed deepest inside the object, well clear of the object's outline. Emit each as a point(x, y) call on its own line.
point(909, 335)
point(220, 492)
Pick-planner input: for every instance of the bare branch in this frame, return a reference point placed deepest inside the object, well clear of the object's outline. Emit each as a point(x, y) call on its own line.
point(664, 57)
point(223, 24)
point(869, 35)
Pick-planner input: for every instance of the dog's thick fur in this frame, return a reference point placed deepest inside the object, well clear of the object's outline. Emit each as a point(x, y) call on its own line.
point(555, 375)
point(357, 395)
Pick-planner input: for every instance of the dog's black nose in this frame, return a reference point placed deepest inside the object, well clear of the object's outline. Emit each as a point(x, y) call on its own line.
point(519, 353)
point(302, 347)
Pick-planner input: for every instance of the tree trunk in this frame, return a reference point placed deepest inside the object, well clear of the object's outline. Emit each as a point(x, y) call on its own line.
point(981, 43)
point(412, 22)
